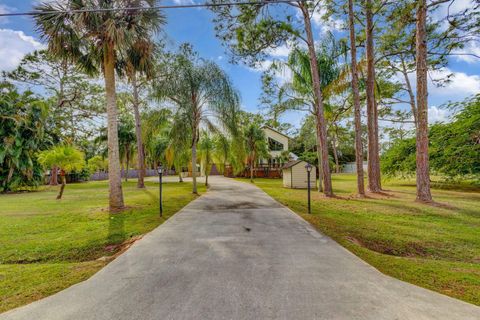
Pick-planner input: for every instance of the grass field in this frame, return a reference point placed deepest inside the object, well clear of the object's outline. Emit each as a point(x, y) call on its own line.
point(434, 247)
point(47, 245)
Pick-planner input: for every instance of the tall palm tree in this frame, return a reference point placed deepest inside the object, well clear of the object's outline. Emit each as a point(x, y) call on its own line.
point(299, 93)
point(202, 94)
point(95, 41)
point(156, 134)
point(255, 145)
point(139, 67)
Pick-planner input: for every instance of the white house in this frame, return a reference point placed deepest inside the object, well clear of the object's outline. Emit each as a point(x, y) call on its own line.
point(277, 144)
point(295, 175)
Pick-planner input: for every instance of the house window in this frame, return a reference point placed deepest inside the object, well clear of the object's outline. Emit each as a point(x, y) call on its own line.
point(274, 145)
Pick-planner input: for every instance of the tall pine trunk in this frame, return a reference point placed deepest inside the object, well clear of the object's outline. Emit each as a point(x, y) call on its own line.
point(374, 183)
point(114, 174)
point(335, 153)
point(423, 175)
point(319, 110)
point(319, 157)
point(138, 134)
point(356, 103)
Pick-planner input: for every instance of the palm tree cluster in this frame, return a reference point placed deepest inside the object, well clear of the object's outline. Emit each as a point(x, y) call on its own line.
point(100, 43)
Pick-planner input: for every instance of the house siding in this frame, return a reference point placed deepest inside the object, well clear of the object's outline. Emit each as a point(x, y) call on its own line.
point(278, 137)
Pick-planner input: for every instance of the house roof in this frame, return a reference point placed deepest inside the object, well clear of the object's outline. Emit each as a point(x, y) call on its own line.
point(270, 128)
point(290, 164)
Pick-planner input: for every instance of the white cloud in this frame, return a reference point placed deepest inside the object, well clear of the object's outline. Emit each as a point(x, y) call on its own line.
point(326, 23)
point(183, 2)
point(13, 46)
point(280, 52)
point(436, 114)
point(461, 85)
point(471, 48)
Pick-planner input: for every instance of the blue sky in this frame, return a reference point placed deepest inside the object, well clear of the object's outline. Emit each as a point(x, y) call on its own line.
point(17, 37)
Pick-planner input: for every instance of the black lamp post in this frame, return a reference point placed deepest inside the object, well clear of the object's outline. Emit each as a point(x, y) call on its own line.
point(308, 166)
point(160, 174)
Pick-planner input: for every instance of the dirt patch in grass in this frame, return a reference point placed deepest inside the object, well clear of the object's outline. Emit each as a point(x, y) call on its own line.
point(412, 249)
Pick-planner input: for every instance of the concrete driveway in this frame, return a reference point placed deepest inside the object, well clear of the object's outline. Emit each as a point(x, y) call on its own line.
point(235, 253)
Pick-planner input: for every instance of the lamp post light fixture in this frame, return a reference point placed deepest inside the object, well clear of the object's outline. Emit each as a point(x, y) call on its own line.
point(308, 166)
point(160, 175)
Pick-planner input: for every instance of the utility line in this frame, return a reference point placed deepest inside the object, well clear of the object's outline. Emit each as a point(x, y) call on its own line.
point(203, 5)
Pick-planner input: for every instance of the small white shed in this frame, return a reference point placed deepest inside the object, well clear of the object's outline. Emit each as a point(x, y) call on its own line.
point(295, 175)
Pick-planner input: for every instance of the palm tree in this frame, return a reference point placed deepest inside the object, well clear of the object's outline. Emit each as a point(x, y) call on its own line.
point(255, 145)
point(299, 94)
point(206, 150)
point(221, 151)
point(95, 42)
point(202, 94)
point(139, 65)
point(66, 159)
point(156, 134)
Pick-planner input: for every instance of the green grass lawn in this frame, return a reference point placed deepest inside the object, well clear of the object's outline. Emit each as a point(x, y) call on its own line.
point(434, 247)
point(47, 245)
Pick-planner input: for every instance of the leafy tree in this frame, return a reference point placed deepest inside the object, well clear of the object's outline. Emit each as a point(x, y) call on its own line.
point(206, 148)
point(23, 118)
point(74, 100)
point(66, 158)
point(97, 163)
point(255, 146)
point(200, 91)
point(96, 42)
point(454, 147)
point(221, 151)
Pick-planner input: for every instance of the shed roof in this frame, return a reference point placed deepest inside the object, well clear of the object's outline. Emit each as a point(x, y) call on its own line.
point(290, 164)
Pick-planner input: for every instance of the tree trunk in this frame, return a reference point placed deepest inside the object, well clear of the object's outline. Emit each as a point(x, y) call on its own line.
point(206, 180)
point(423, 175)
point(180, 179)
point(319, 112)
point(114, 175)
point(356, 103)
point(138, 134)
point(62, 187)
point(335, 154)
point(251, 170)
point(54, 176)
point(319, 158)
point(411, 95)
point(194, 165)
point(374, 184)
point(127, 163)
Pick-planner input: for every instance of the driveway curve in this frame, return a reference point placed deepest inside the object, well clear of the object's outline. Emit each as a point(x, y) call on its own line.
point(235, 253)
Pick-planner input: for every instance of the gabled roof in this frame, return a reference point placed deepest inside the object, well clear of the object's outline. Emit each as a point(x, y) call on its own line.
point(283, 134)
point(290, 164)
